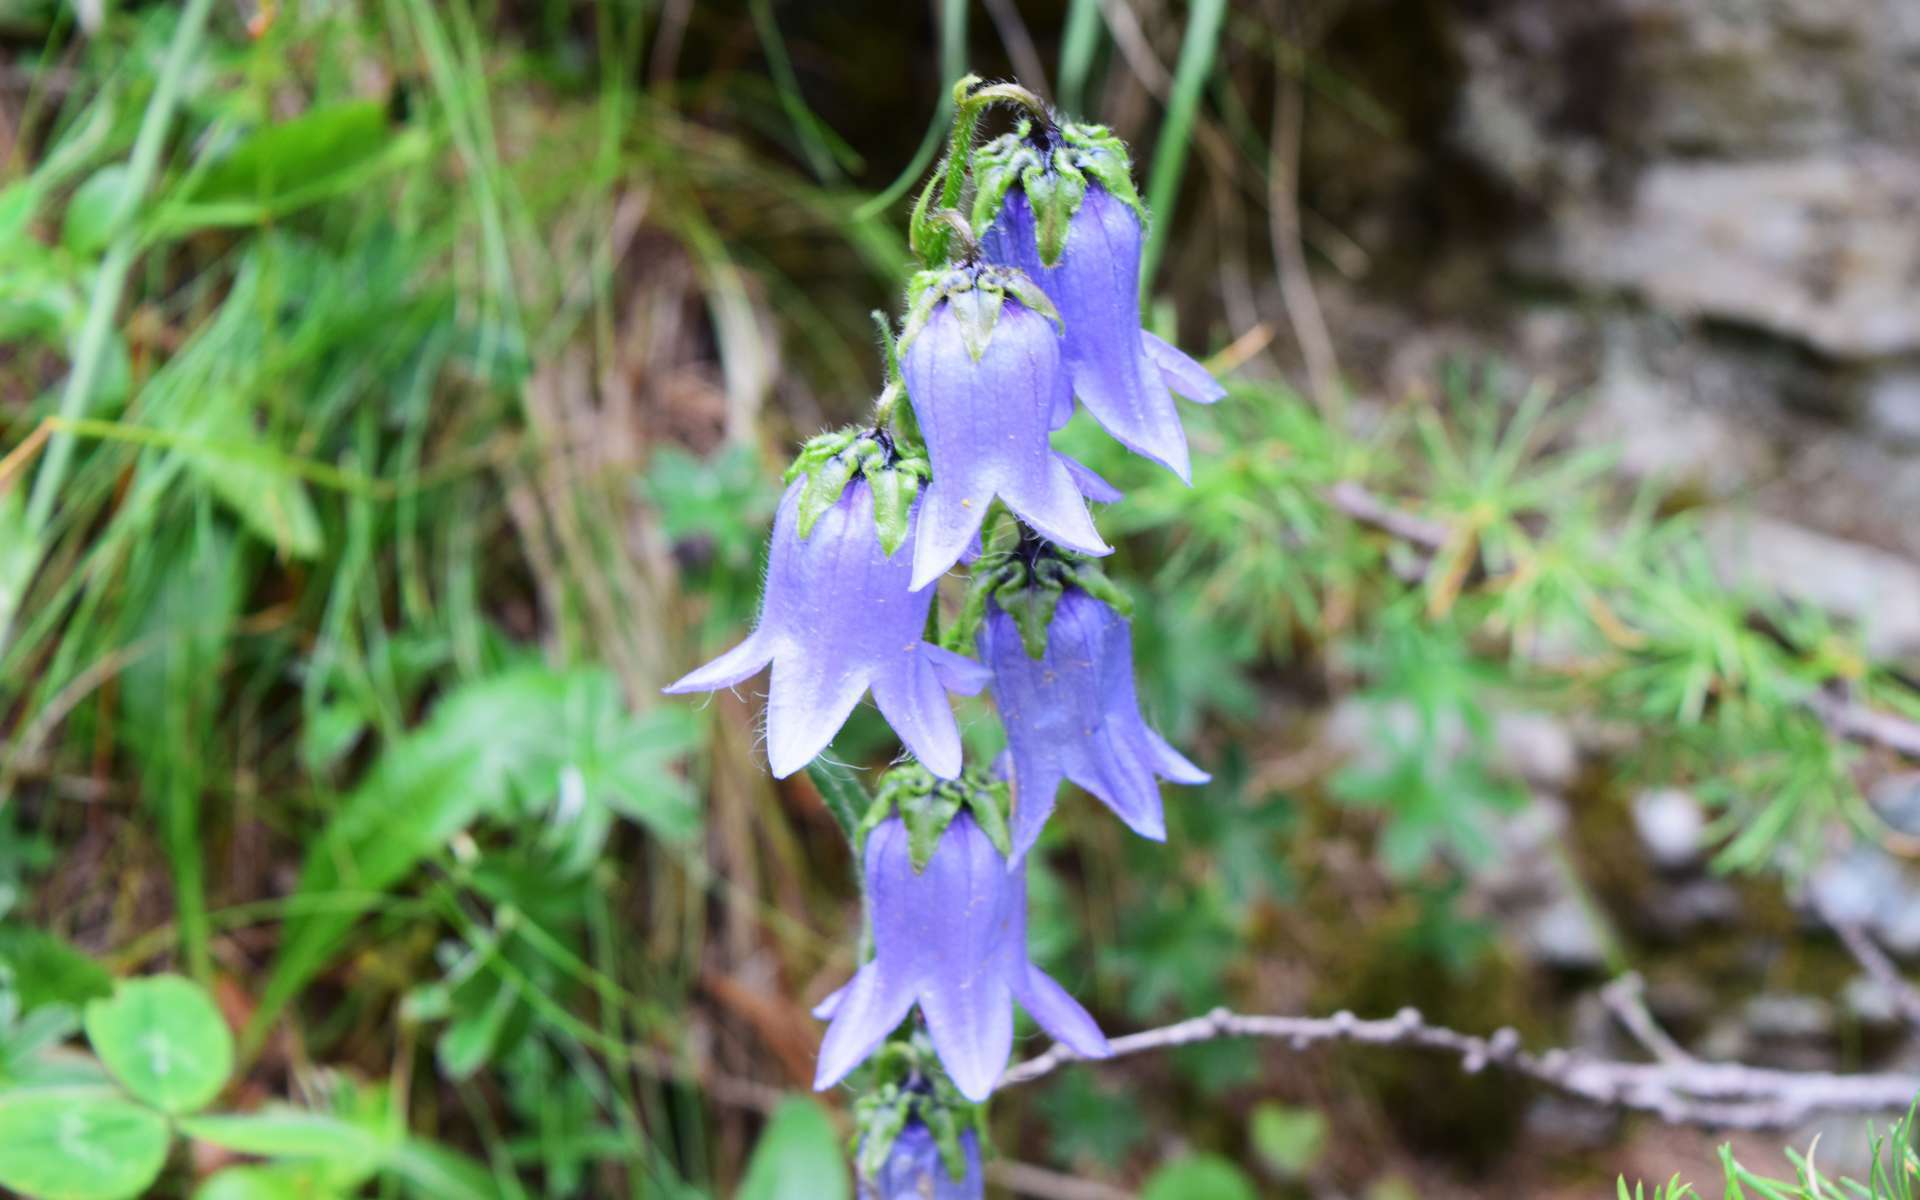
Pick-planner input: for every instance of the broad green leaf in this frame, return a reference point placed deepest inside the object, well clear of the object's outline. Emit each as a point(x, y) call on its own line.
point(1289, 1140)
point(46, 970)
point(94, 210)
point(274, 1181)
point(1198, 1177)
point(841, 790)
point(434, 1172)
point(798, 1154)
point(79, 1145)
point(18, 201)
point(286, 1133)
point(252, 478)
point(324, 152)
point(165, 1040)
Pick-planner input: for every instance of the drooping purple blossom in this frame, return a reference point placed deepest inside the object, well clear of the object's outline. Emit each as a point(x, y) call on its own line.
point(915, 1170)
point(953, 940)
point(1120, 372)
point(985, 421)
point(1073, 714)
point(837, 619)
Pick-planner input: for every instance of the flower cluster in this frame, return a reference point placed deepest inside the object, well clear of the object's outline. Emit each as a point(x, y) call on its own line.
point(1022, 310)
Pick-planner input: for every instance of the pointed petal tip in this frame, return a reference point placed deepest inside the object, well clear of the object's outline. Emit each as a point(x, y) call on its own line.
point(957, 672)
point(738, 664)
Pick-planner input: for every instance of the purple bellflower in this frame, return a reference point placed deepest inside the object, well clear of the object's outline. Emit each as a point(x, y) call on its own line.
point(915, 1170)
point(985, 411)
point(952, 939)
point(1072, 714)
point(837, 619)
point(1057, 202)
point(1120, 372)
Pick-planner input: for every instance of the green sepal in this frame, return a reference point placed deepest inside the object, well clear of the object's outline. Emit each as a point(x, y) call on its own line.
point(893, 496)
point(1095, 150)
point(977, 310)
point(825, 484)
point(878, 1132)
point(997, 166)
point(1030, 602)
point(927, 815)
point(1027, 292)
point(989, 802)
point(1090, 579)
point(818, 449)
point(1055, 195)
point(946, 1135)
point(984, 581)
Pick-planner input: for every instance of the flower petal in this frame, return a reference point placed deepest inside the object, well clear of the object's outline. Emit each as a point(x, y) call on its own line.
point(870, 1008)
point(1060, 1014)
point(813, 693)
point(911, 699)
point(741, 662)
point(1091, 485)
point(957, 672)
point(1182, 374)
point(1049, 501)
point(1169, 763)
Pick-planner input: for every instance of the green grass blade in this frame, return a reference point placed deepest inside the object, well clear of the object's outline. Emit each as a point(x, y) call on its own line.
point(953, 64)
point(1170, 151)
point(1078, 45)
point(104, 303)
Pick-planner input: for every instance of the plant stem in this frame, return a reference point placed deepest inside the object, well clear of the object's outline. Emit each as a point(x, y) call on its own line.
point(111, 280)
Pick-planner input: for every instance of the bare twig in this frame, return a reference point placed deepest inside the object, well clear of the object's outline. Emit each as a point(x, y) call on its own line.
point(1879, 967)
point(1716, 1095)
point(1026, 1179)
point(1868, 726)
point(1626, 999)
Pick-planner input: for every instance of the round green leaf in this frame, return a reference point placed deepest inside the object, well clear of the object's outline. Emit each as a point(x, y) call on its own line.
point(92, 211)
point(798, 1154)
point(57, 1144)
point(275, 1181)
point(165, 1040)
point(1198, 1177)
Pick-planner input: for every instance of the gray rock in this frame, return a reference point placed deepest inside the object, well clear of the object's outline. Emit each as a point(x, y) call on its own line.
point(1876, 591)
point(1671, 825)
point(1820, 249)
point(1785, 1016)
point(1564, 934)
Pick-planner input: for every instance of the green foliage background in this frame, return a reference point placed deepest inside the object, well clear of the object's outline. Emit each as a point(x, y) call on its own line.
point(394, 396)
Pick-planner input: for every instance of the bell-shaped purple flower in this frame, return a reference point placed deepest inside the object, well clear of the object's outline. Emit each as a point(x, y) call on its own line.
point(1120, 372)
point(985, 421)
point(915, 1170)
point(1073, 714)
point(952, 939)
point(837, 619)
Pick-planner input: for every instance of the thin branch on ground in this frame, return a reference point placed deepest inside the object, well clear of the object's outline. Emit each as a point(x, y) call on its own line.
point(1689, 1092)
point(1626, 999)
point(1025, 1179)
point(1878, 966)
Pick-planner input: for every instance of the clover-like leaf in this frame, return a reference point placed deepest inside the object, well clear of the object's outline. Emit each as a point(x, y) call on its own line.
point(63, 1144)
point(164, 1039)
